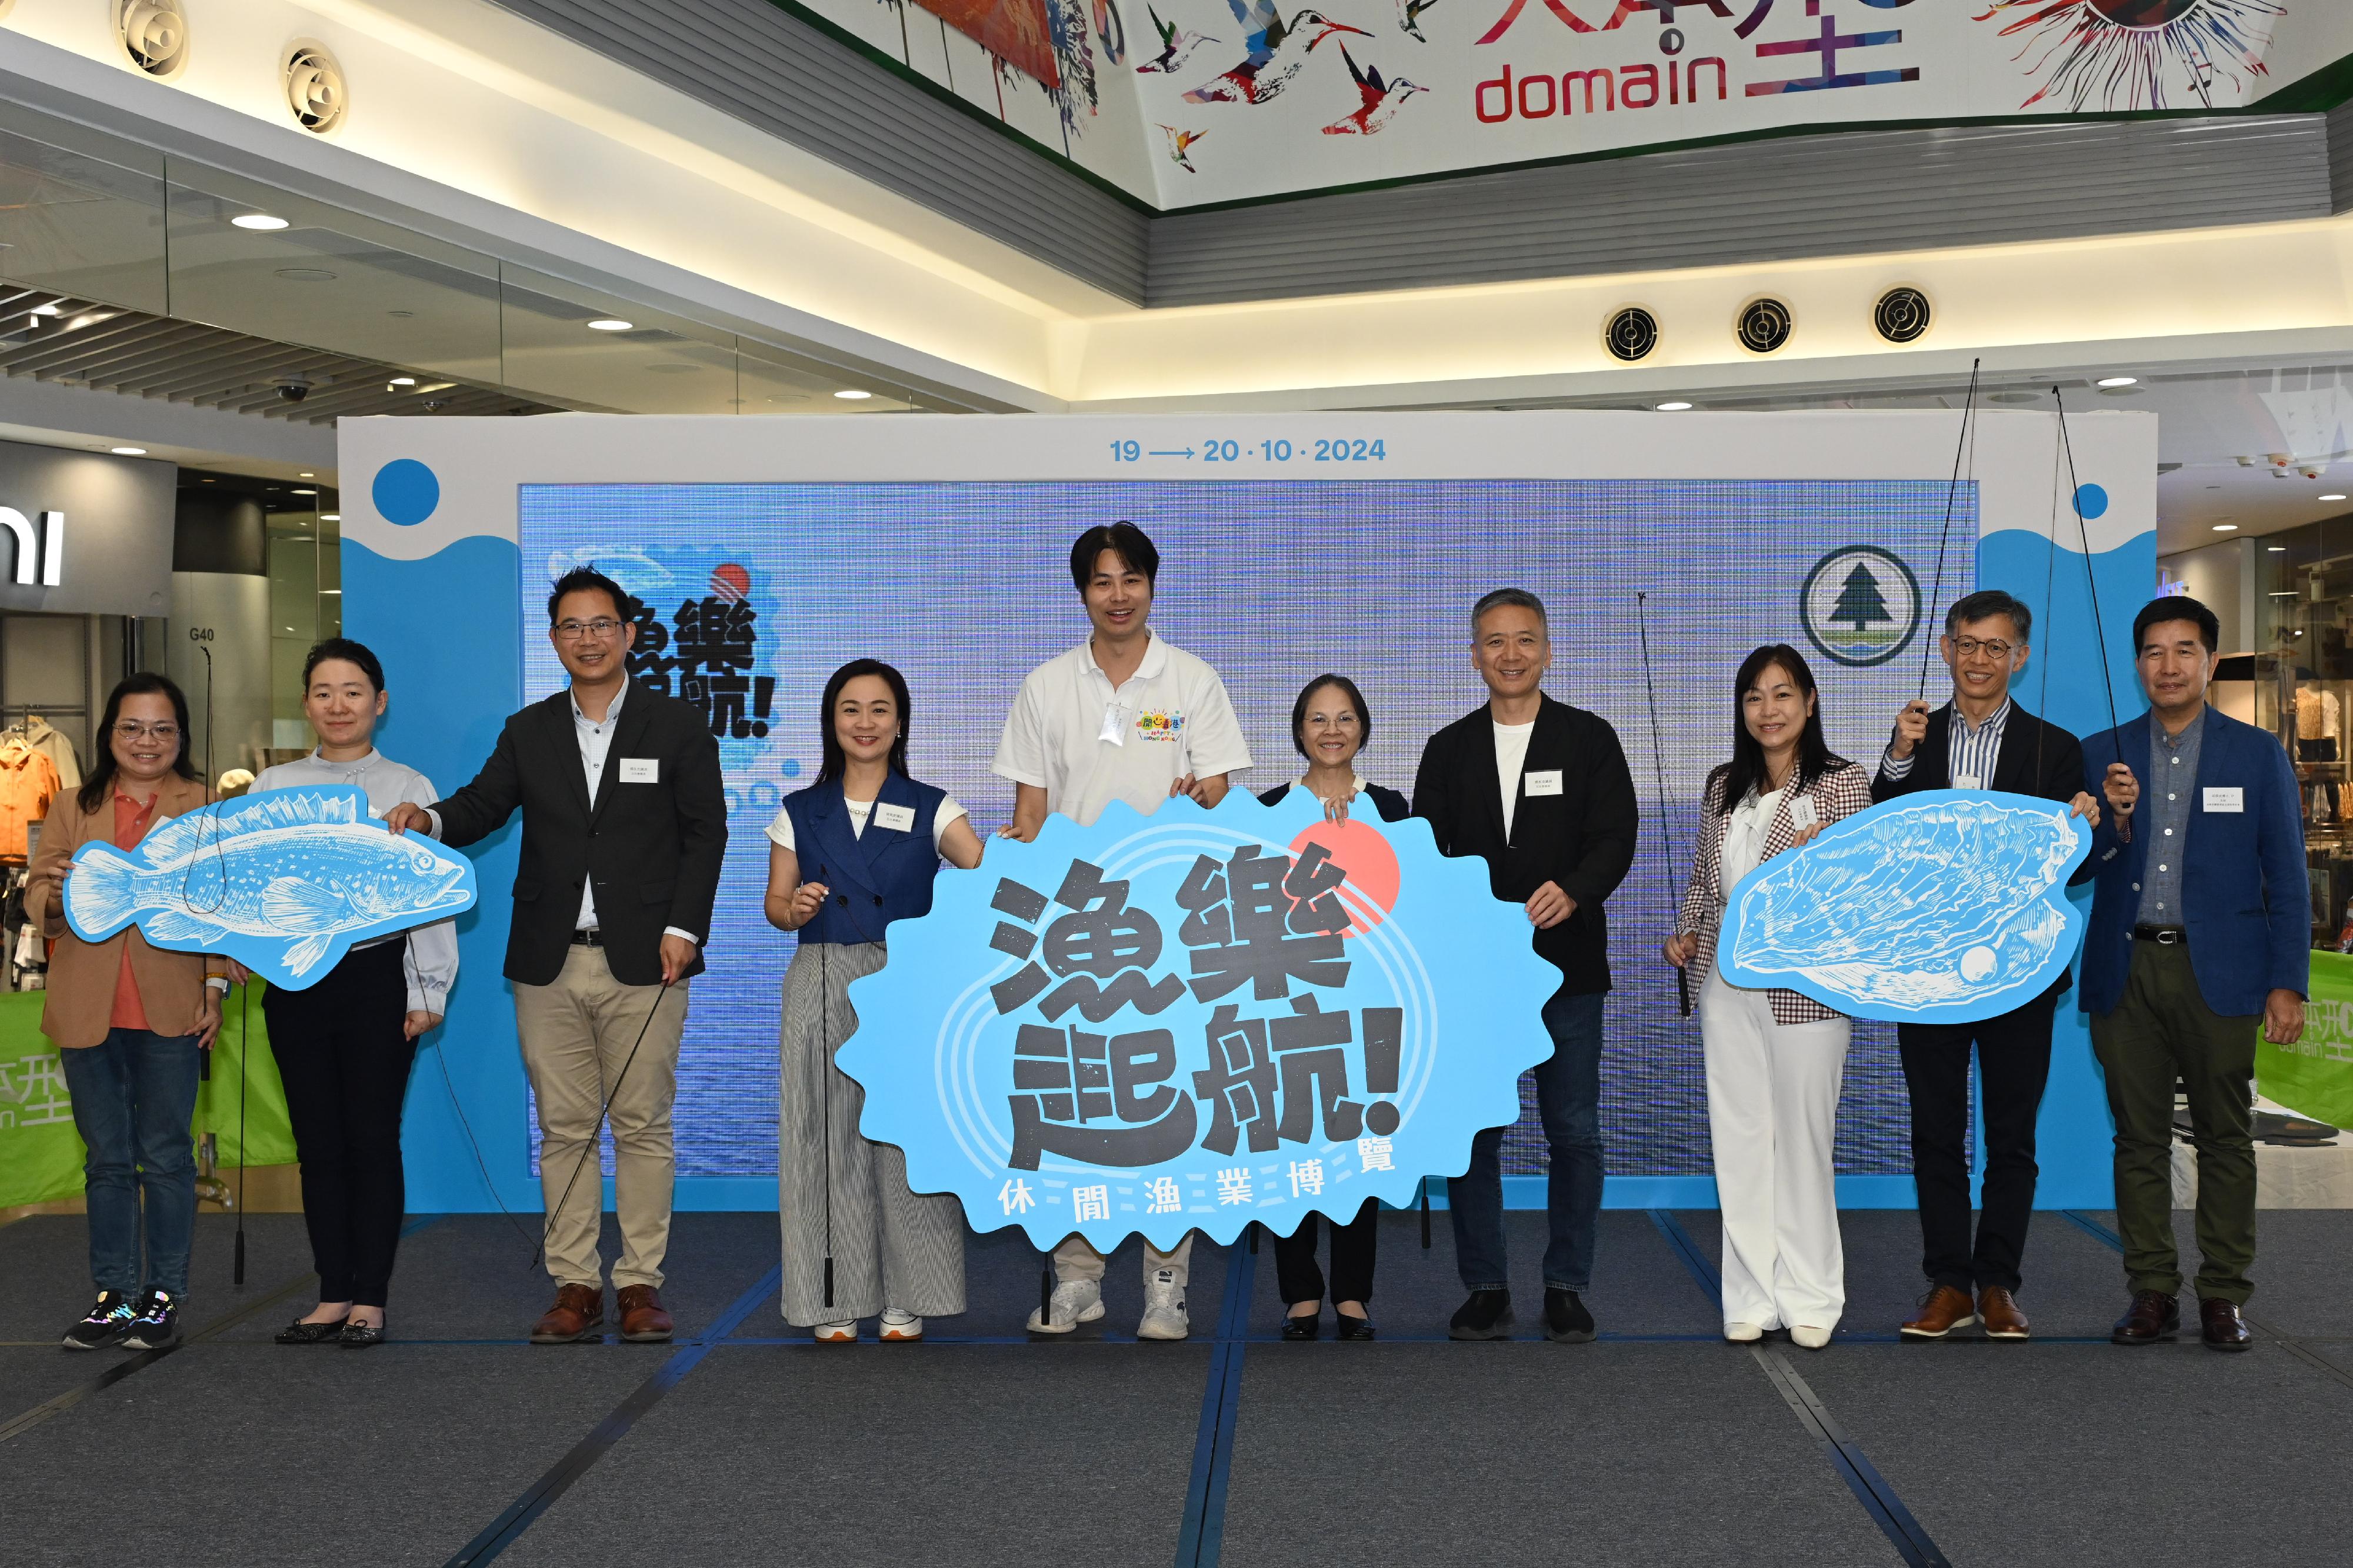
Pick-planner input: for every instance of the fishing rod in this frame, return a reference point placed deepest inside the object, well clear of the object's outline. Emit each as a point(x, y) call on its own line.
point(1952, 495)
point(1659, 764)
point(2091, 582)
point(211, 809)
point(597, 1131)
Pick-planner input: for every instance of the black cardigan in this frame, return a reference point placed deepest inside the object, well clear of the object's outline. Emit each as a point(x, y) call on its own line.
point(1582, 838)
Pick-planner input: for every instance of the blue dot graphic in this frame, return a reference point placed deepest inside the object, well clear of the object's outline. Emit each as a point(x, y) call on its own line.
point(2090, 500)
point(405, 492)
point(791, 767)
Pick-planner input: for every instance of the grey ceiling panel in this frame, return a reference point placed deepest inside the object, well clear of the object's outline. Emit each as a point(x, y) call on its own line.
point(750, 60)
point(1761, 201)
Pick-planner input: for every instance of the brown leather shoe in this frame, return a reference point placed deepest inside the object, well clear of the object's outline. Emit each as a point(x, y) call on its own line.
point(578, 1314)
point(643, 1321)
point(1999, 1314)
point(2152, 1318)
point(2221, 1327)
point(1942, 1311)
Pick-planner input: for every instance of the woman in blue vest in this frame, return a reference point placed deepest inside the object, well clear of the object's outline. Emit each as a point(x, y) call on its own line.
point(848, 855)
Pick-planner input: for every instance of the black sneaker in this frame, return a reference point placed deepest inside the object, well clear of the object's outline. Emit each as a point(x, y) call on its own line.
point(1566, 1319)
point(157, 1326)
point(107, 1323)
point(1487, 1315)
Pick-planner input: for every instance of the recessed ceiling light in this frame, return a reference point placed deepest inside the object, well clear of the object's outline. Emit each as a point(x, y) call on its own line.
point(330, 516)
point(306, 475)
point(262, 221)
point(128, 451)
point(2119, 381)
point(611, 324)
point(852, 394)
point(1676, 407)
point(2332, 498)
point(402, 381)
point(48, 310)
point(2226, 528)
point(306, 492)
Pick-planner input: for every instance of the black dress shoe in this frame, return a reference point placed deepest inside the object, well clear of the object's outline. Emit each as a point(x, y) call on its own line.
point(2153, 1318)
point(1351, 1327)
point(299, 1332)
point(1487, 1315)
point(2221, 1327)
point(1566, 1319)
point(360, 1336)
point(1301, 1325)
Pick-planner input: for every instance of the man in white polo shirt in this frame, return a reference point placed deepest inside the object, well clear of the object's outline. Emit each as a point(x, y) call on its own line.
point(1123, 716)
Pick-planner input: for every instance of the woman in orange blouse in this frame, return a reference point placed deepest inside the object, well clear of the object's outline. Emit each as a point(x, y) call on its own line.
point(131, 1023)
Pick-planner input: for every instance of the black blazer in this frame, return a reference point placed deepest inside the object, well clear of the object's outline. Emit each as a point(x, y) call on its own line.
point(1582, 838)
point(1387, 801)
point(2036, 758)
point(653, 851)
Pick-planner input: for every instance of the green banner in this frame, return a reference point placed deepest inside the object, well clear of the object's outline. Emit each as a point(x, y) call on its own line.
point(40, 1153)
point(2315, 1077)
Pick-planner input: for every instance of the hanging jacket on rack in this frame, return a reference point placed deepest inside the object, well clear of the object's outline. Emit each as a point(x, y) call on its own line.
point(54, 743)
point(29, 783)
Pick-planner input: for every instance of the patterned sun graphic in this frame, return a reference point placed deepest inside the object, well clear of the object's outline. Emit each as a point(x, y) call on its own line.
point(2125, 54)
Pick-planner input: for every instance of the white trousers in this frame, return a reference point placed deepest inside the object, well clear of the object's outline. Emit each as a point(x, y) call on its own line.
point(1772, 1107)
point(1074, 1258)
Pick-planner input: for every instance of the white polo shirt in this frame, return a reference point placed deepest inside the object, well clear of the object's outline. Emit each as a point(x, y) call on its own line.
point(1087, 745)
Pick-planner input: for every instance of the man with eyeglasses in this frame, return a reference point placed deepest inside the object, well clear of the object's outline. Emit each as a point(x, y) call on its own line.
point(624, 827)
point(1982, 740)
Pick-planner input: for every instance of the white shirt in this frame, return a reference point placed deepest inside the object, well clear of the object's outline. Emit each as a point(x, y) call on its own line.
point(1086, 745)
point(431, 962)
point(1744, 837)
point(1511, 752)
point(780, 831)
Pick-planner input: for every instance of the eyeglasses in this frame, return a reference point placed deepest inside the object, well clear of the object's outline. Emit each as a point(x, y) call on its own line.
point(602, 627)
point(1969, 648)
point(132, 731)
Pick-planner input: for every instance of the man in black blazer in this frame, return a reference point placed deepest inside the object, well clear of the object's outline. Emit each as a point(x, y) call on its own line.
point(624, 826)
point(1980, 740)
point(1541, 791)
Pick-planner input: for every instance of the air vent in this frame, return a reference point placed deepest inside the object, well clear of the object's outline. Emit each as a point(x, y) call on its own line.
point(1764, 326)
point(1901, 315)
point(154, 34)
point(1631, 333)
point(314, 89)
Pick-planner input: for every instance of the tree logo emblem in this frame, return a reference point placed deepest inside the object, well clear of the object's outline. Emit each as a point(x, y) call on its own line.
point(1860, 605)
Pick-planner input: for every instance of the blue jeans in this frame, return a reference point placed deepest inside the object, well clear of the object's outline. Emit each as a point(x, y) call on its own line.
point(134, 1094)
point(1568, 1100)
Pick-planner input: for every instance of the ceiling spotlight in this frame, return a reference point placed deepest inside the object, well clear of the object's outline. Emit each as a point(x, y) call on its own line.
point(128, 451)
point(48, 309)
point(330, 516)
point(2119, 381)
point(260, 221)
point(306, 475)
point(2332, 498)
point(2226, 528)
point(611, 324)
point(1674, 407)
point(852, 394)
point(300, 492)
point(2276, 548)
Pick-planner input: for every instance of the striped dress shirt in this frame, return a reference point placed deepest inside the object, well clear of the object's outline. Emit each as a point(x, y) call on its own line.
point(1969, 753)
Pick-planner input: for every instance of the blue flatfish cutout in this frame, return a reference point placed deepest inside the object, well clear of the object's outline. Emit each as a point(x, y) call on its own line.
point(1441, 986)
point(285, 881)
point(1938, 908)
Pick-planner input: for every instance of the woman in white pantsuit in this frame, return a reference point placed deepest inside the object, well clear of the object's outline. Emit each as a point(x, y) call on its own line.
point(1773, 1057)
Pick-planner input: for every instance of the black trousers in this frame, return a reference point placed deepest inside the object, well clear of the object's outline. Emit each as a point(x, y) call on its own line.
point(1352, 1246)
point(2014, 1064)
point(345, 1064)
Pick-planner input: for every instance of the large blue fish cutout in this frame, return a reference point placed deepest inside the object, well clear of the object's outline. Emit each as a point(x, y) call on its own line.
point(285, 881)
point(1940, 907)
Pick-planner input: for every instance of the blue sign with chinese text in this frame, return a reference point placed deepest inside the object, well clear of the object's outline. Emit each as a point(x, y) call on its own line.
point(1196, 1019)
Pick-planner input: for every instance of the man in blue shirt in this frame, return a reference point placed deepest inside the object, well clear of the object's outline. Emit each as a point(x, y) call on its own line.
point(2200, 937)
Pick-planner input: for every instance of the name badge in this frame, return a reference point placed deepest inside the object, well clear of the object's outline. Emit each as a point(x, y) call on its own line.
point(1802, 814)
point(899, 818)
point(641, 770)
point(1967, 781)
point(1542, 780)
point(1114, 725)
point(2233, 799)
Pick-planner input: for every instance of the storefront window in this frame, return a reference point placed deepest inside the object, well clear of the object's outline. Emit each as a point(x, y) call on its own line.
point(2297, 683)
point(306, 603)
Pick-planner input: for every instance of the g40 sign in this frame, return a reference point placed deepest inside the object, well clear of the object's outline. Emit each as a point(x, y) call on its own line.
point(45, 544)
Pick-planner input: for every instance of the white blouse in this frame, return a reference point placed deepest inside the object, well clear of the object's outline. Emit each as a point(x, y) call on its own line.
point(1744, 837)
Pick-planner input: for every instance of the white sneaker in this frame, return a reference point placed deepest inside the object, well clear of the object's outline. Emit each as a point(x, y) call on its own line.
point(1743, 1333)
point(1806, 1337)
point(899, 1327)
point(1164, 1309)
point(842, 1333)
point(1075, 1301)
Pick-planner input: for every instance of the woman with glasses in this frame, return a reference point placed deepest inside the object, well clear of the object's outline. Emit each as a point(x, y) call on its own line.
point(131, 1023)
point(1329, 725)
point(853, 852)
point(345, 1045)
point(1773, 1057)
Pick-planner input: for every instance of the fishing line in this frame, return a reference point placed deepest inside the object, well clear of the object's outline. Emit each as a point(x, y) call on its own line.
point(598, 1131)
point(210, 810)
point(1952, 495)
point(2091, 582)
point(408, 947)
point(825, 1099)
point(244, 1071)
point(1659, 764)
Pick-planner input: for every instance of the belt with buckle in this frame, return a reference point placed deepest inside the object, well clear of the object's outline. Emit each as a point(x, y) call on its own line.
point(588, 936)
point(2164, 936)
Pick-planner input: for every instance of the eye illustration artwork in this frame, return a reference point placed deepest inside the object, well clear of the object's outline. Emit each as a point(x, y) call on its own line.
point(2127, 54)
